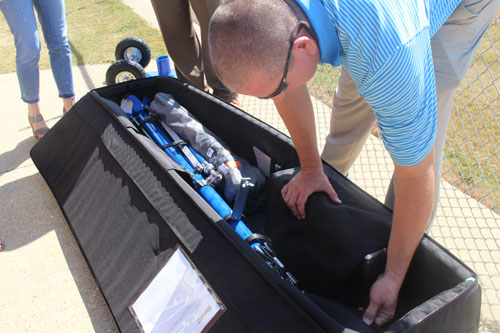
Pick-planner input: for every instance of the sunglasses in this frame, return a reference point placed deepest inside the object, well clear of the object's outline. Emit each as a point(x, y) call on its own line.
point(283, 85)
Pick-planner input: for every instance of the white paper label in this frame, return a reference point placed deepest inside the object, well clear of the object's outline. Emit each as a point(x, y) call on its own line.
point(177, 300)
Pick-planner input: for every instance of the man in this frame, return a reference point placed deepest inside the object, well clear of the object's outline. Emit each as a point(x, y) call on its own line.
point(402, 62)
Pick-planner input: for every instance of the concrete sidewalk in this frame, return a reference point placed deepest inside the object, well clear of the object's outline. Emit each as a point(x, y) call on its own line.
point(45, 283)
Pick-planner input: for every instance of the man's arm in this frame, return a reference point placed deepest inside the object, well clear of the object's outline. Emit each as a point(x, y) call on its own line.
point(412, 209)
point(296, 110)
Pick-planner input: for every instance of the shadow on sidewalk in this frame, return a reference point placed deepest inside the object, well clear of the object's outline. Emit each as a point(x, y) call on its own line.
point(81, 66)
point(28, 212)
point(14, 158)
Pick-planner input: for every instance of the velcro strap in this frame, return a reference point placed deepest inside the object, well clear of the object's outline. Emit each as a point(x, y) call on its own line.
point(174, 144)
point(146, 119)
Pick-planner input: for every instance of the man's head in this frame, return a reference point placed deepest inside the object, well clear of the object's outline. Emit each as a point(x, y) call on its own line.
point(260, 47)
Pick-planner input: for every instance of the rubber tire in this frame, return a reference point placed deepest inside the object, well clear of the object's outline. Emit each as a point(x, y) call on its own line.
point(135, 69)
point(138, 43)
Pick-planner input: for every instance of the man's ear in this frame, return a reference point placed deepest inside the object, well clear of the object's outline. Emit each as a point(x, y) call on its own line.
point(307, 44)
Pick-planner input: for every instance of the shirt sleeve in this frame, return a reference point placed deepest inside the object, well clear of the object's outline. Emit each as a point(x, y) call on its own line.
point(402, 93)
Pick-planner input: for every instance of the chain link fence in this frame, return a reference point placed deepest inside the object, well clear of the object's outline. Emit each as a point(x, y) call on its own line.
point(472, 164)
point(472, 161)
point(468, 221)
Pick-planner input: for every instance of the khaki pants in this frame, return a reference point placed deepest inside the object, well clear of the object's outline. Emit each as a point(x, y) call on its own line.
point(453, 49)
point(191, 58)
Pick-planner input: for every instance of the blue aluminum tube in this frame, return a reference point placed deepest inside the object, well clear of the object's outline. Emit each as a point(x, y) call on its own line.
point(208, 193)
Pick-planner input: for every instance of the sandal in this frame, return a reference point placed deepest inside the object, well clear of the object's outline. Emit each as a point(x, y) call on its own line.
point(40, 131)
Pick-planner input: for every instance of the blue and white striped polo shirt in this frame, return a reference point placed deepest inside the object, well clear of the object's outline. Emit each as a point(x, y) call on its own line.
point(385, 46)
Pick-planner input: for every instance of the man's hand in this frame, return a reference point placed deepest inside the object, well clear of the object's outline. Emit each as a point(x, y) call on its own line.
point(383, 299)
point(300, 187)
point(295, 108)
point(414, 189)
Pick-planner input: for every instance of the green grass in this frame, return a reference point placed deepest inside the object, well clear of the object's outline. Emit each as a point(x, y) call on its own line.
point(94, 29)
point(473, 144)
point(324, 83)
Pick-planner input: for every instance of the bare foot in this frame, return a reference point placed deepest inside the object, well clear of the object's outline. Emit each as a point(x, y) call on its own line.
point(68, 104)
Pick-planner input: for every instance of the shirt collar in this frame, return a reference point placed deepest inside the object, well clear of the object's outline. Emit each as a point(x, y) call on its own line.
point(325, 30)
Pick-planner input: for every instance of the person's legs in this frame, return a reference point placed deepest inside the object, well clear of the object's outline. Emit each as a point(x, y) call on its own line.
point(453, 48)
point(204, 10)
point(20, 17)
point(350, 124)
point(181, 40)
point(51, 14)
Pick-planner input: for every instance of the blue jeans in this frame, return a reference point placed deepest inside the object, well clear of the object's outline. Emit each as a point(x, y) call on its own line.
point(20, 17)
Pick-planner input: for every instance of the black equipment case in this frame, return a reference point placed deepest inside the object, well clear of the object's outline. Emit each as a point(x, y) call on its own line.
point(129, 206)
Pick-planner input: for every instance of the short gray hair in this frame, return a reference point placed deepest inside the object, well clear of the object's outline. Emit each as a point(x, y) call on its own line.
point(246, 36)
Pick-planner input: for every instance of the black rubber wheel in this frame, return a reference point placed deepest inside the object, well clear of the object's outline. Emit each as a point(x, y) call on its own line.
point(134, 49)
point(123, 71)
